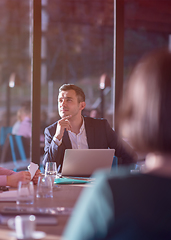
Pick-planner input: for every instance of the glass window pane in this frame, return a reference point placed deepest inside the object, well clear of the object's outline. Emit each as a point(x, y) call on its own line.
point(14, 57)
point(77, 47)
point(15, 61)
point(147, 27)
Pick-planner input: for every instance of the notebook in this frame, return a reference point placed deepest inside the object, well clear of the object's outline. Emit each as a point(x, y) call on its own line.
point(83, 162)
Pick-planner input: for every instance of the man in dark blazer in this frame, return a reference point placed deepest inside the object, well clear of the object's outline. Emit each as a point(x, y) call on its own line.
point(75, 131)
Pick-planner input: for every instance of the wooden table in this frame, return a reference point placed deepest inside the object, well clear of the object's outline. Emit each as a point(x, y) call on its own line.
point(64, 196)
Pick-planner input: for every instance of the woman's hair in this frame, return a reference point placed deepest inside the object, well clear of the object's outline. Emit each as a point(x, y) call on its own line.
point(145, 112)
point(79, 92)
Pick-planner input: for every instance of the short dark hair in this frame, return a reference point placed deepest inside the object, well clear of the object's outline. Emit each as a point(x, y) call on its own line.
point(79, 92)
point(145, 113)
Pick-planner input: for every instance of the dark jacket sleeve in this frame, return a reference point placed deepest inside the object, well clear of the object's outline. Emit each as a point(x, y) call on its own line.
point(123, 151)
point(52, 153)
point(50, 149)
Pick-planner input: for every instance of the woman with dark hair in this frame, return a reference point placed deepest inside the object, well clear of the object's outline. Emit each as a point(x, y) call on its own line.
point(137, 206)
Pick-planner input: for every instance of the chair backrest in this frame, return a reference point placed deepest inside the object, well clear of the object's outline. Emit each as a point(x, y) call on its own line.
point(20, 147)
point(4, 131)
point(6, 151)
point(15, 148)
point(115, 162)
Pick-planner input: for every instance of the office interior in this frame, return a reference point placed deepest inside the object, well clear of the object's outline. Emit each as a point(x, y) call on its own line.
point(93, 44)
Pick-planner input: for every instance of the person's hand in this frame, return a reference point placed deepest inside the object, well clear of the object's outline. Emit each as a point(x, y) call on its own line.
point(12, 180)
point(62, 124)
point(36, 176)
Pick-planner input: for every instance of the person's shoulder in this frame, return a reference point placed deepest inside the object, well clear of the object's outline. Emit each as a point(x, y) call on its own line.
point(52, 126)
point(95, 120)
point(114, 173)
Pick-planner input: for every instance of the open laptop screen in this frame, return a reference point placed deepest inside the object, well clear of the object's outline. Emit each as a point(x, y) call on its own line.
point(83, 162)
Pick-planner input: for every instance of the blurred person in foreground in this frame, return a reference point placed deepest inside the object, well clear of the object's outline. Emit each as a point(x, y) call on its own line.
point(11, 178)
point(78, 132)
point(135, 206)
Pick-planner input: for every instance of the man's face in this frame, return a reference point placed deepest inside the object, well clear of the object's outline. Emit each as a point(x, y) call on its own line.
point(68, 104)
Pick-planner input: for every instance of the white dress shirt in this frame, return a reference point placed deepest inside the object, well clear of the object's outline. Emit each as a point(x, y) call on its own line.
point(78, 141)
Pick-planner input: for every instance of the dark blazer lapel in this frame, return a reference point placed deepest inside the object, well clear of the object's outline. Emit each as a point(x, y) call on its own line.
point(89, 132)
point(66, 140)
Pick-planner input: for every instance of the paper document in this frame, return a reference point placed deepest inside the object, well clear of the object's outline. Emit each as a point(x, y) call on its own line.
point(32, 169)
point(8, 196)
point(67, 180)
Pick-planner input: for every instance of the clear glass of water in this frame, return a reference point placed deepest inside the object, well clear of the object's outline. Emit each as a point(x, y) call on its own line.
point(51, 170)
point(44, 187)
point(25, 193)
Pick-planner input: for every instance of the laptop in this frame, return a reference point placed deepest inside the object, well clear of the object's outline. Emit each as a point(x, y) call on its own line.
point(83, 162)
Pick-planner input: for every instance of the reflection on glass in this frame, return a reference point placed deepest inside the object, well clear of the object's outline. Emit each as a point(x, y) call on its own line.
point(77, 47)
point(14, 58)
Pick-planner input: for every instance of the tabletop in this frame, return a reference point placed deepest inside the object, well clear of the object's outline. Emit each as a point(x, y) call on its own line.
point(63, 196)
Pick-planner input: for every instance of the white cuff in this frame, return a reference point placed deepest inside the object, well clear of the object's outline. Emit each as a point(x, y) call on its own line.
point(58, 143)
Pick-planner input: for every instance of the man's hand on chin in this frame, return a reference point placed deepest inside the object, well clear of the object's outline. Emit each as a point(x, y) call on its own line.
point(62, 124)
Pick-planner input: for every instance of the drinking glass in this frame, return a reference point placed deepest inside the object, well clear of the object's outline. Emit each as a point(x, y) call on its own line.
point(24, 226)
point(44, 187)
point(51, 170)
point(25, 193)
